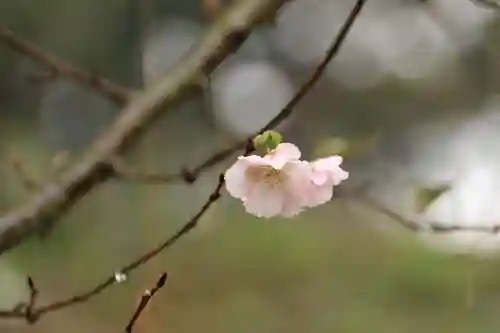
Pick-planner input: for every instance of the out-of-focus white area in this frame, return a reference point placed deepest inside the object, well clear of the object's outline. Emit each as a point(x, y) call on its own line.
point(463, 153)
point(165, 46)
point(247, 95)
point(390, 38)
point(462, 19)
point(246, 91)
point(167, 42)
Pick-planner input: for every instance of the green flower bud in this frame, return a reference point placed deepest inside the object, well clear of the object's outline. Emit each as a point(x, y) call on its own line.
point(267, 141)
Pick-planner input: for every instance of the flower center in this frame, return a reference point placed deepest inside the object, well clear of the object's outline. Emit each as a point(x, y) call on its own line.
point(266, 174)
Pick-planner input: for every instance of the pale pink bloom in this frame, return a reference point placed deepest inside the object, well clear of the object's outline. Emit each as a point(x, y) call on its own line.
point(272, 185)
point(326, 173)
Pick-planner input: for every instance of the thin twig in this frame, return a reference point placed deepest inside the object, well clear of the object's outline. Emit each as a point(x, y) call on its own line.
point(19, 167)
point(30, 316)
point(93, 168)
point(216, 193)
point(430, 226)
point(439, 227)
point(25, 310)
point(393, 215)
point(146, 297)
point(124, 172)
point(56, 66)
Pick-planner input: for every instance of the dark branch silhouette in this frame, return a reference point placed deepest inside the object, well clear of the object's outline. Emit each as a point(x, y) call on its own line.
point(145, 299)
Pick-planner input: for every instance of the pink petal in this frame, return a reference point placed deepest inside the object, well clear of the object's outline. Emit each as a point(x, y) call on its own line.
point(328, 163)
point(312, 194)
point(339, 176)
point(284, 153)
point(299, 187)
point(319, 177)
point(254, 160)
point(319, 195)
point(330, 166)
point(287, 150)
point(291, 209)
point(298, 174)
point(237, 184)
point(235, 180)
point(264, 201)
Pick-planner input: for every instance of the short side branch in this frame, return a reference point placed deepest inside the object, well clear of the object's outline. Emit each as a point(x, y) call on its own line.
point(57, 66)
point(145, 299)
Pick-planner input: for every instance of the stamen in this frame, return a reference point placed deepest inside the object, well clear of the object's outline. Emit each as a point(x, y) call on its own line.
point(266, 174)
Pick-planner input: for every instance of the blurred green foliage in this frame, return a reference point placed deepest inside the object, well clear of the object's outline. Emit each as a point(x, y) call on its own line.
point(327, 271)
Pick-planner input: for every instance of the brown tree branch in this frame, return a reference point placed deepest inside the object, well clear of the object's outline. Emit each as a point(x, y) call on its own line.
point(145, 299)
point(56, 66)
point(213, 197)
point(223, 39)
point(25, 309)
point(393, 215)
point(124, 172)
point(414, 226)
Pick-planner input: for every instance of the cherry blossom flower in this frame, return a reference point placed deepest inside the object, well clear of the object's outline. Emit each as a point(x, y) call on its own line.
point(272, 185)
point(326, 173)
point(280, 184)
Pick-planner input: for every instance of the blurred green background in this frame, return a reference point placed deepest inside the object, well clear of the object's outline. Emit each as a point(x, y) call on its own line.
point(338, 268)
